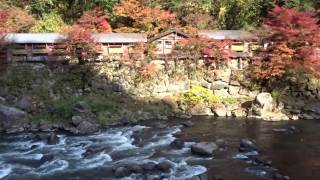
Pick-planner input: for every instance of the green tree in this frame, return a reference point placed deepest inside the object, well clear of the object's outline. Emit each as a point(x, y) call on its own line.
point(40, 7)
point(302, 5)
point(239, 14)
point(51, 22)
point(73, 9)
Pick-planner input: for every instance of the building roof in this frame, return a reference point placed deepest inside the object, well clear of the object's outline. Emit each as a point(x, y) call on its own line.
point(167, 33)
point(120, 37)
point(55, 37)
point(33, 37)
point(228, 34)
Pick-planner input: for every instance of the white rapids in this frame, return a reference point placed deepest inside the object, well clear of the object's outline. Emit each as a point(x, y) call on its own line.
point(22, 157)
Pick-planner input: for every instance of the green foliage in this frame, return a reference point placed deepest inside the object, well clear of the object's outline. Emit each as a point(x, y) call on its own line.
point(19, 79)
point(41, 94)
point(199, 95)
point(44, 116)
point(39, 7)
point(245, 80)
point(76, 78)
point(302, 5)
point(230, 100)
point(51, 22)
point(239, 14)
point(275, 95)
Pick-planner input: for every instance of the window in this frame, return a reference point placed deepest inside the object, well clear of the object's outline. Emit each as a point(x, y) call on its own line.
point(168, 44)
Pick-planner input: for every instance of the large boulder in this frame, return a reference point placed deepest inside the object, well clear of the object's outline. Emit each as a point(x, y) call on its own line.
point(171, 102)
point(265, 107)
point(76, 120)
point(265, 101)
point(24, 103)
point(200, 110)
point(149, 166)
point(165, 166)
point(11, 115)
point(86, 127)
point(121, 172)
point(220, 110)
point(240, 112)
point(204, 148)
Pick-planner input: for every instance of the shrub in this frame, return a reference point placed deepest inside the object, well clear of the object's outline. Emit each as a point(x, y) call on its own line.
point(197, 95)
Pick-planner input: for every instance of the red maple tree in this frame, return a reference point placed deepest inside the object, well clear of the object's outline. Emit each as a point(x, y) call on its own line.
point(214, 51)
point(80, 43)
point(95, 20)
point(294, 44)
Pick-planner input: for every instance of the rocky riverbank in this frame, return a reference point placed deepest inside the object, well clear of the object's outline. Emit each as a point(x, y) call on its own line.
point(84, 99)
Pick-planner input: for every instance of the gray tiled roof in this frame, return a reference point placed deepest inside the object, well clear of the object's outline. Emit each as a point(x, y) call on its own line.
point(167, 33)
point(120, 37)
point(33, 37)
point(55, 37)
point(228, 34)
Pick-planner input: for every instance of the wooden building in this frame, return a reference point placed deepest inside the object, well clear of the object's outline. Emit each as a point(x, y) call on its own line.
point(42, 47)
point(45, 47)
point(165, 41)
point(242, 41)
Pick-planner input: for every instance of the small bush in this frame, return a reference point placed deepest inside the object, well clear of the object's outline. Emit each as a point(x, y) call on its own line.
point(197, 95)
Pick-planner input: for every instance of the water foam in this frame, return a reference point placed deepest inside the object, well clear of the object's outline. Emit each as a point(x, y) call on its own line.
point(5, 170)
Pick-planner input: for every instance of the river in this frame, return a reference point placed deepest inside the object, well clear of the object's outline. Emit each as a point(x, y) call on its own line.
point(291, 149)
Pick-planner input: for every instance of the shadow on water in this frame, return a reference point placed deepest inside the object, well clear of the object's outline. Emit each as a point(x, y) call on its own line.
point(295, 154)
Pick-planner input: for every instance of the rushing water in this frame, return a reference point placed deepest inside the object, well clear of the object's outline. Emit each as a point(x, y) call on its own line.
point(293, 148)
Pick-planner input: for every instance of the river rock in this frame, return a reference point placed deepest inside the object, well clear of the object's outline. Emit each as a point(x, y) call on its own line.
point(14, 129)
point(200, 110)
point(86, 127)
point(265, 101)
point(160, 125)
point(220, 110)
point(24, 103)
point(10, 115)
point(122, 172)
point(187, 123)
point(171, 102)
point(165, 166)
point(50, 138)
point(204, 148)
point(149, 166)
point(177, 144)
point(247, 145)
point(53, 139)
point(239, 112)
point(136, 169)
point(76, 120)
